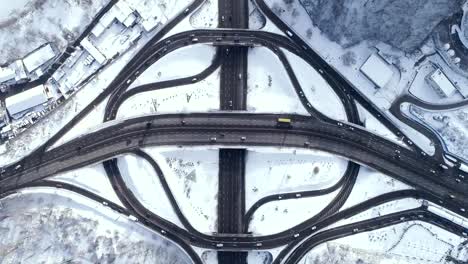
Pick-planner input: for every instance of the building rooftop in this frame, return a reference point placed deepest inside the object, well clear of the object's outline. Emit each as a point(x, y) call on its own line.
point(377, 70)
point(20, 102)
point(38, 57)
point(441, 83)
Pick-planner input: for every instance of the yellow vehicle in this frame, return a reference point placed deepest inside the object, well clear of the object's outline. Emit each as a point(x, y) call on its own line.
point(284, 122)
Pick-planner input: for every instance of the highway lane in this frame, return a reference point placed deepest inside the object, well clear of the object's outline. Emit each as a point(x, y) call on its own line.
point(231, 36)
point(231, 194)
point(233, 96)
point(258, 130)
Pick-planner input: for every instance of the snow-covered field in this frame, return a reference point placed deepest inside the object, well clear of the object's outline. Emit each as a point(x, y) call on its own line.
point(143, 181)
point(406, 243)
point(32, 24)
point(317, 90)
point(272, 171)
point(278, 216)
point(269, 87)
point(197, 97)
point(192, 175)
point(206, 16)
point(371, 183)
point(452, 126)
point(192, 59)
point(63, 227)
point(92, 178)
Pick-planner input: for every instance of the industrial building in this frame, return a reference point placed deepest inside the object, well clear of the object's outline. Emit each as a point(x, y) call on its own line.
point(38, 58)
point(441, 83)
point(23, 101)
point(377, 70)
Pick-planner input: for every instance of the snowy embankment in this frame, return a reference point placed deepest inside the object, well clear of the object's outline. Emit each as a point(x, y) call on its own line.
point(92, 178)
point(24, 26)
point(407, 243)
point(58, 226)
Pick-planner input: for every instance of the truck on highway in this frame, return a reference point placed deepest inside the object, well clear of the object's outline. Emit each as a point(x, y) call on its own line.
point(284, 122)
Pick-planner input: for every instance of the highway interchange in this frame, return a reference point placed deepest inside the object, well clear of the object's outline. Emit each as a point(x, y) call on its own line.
point(433, 180)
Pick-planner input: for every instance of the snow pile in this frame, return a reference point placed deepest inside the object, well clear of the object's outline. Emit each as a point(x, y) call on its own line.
point(273, 171)
point(198, 97)
point(39, 22)
point(192, 175)
point(43, 227)
point(269, 87)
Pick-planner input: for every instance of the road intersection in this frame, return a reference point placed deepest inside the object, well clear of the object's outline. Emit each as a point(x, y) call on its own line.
point(432, 179)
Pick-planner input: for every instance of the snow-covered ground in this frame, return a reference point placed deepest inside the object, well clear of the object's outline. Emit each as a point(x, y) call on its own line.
point(269, 87)
point(143, 181)
point(371, 183)
point(272, 171)
point(372, 124)
point(256, 19)
point(452, 126)
point(192, 59)
point(62, 227)
point(317, 90)
point(406, 243)
point(196, 97)
point(92, 178)
point(278, 216)
point(192, 175)
point(206, 16)
point(32, 24)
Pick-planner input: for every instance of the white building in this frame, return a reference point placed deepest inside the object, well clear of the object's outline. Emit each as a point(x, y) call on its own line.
point(121, 12)
point(6, 74)
point(150, 13)
point(38, 57)
point(441, 83)
point(93, 51)
point(23, 101)
point(377, 70)
point(20, 71)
